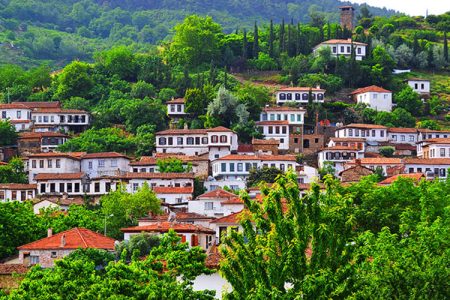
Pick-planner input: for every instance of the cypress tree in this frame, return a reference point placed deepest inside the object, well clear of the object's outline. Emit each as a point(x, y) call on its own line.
point(416, 47)
point(289, 40)
point(328, 31)
point(282, 36)
point(244, 46)
point(430, 58)
point(271, 38)
point(445, 46)
point(255, 42)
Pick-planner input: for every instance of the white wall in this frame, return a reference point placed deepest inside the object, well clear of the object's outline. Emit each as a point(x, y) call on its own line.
point(110, 166)
point(421, 87)
point(377, 101)
point(67, 165)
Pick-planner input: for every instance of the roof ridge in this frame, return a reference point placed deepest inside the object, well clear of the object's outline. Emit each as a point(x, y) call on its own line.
point(81, 236)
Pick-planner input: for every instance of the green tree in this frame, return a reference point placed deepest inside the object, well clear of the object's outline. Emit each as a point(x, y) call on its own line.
point(145, 139)
point(122, 209)
point(387, 151)
point(118, 61)
point(264, 174)
point(142, 89)
point(429, 124)
point(195, 42)
point(408, 99)
point(255, 41)
point(226, 110)
point(13, 172)
point(195, 102)
point(75, 81)
point(142, 243)
point(8, 134)
point(271, 39)
point(173, 165)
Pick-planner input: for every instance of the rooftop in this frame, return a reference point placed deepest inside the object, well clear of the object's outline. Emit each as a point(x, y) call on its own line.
point(59, 176)
point(364, 126)
point(372, 88)
point(378, 161)
point(428, 161)
point(342, 41)
point(17, 186)
point(72, 239)
point(165, 226)
point(414, 176)
point(173, 190)
point(301, 89)
point(176, 101)
point(143, 175)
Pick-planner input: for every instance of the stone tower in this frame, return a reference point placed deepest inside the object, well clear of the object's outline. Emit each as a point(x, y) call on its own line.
point(347, 17)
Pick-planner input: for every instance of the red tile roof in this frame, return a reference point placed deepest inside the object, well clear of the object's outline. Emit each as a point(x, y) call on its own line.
point(364, 126)
point(342, 41)
point(145, 161)
point(427, 161)
point(19, 121)
point(219, 193)
point(437, 141)
point(181, 216)
point(272, 123)
point(286, 157)
point(347, 139)
point(142, 175)
point(340, 148)
point(12, 106)
point(58, 176)
point(265, 142)
point(402, 130)
point(59, 111)
point(426, 130)
point(230, 219)
point(181, 132)
point(163, 227)
point(173, 190)
point(259, 157)
point(219, 129)
point(39, 104)
point(415, 176)
point(378, 161)
point(104, 155)
point(34, 135)
point(74, 238)
point(245, 148)
point(71, 155)
point(372, 88)
point(300, 89)
point(283, 108)
point(17, 186)
point(176, 101)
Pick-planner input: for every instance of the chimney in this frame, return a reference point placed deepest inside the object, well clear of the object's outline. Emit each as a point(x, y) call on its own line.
point(186, 126)
point(318, 86)
point(63, 241)
point(49, 232)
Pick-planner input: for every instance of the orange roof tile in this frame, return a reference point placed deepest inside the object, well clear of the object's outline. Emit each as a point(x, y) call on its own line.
point(71, 155)
point(283, 108)
point(230, 219)
point(340, 148)
point(103, 155)
point(265, 142)
point(342, 41)
point(347, 139)
point(300, 89)
point(142, 175)
point(74, 238)
point(427, 161)
point(59, 111)
point(219, 129)
point(378, 161)
point(12, 106)
point(372, 88)
point(364, 126)
point(17, 186)
point(33, 135)
point(415, 176)
point(181, 216)
point(176, 101)
point(173, 190)
point(402, 130)
point(219, 193)
point(19, 121)
point(437, 141)
point(40, 104)
point(163, 227)
point(258, 157)
point(58, 176)
point(272, 123)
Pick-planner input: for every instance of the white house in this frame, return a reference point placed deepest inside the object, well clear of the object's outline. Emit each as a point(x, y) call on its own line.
point(403, 135)
point(431, 167)
point(56, 119)
point(357, 143)
point(369, 132)
point(217, 142)
point(216, 203)
point(174, 195)
point(343, 47)
point(176, 108)
point(194, 235)
point(299, 95)
point(339, 156)
point(17, 192)
point(53, 162)
point(72, 184)
point(40, 141)
point(279, 122)
point(99, 186)
point(17, 114)
point(434, 148)
point(375, 97)
point(136, 180)
point(420, 86)
point(60, 203)
point(425, 134)
point(104, 164)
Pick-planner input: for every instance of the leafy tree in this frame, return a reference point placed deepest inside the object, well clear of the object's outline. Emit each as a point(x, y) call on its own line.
point(77, 103)
point(173, 165)
point(13, 233)
point(327, 169)
point(122, 209)
point(429, 124)
point(408, 99)
point(195, 102)
point(304, 242)
point(195, 41)
point(255, 41)
point(142, 89)
point(387, 151)
point(8, 134)
point(436, 105)
point(264, 174)
point(13, 172)
point(226, 110)
point(75, 81)
point(118, 61)
point(403, 118)
point(247, 131)
point(254, 98)
point(145, 139)
point(101, 140)
point(141, 244)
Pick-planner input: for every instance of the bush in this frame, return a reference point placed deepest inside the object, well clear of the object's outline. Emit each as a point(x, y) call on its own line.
point(387, 151)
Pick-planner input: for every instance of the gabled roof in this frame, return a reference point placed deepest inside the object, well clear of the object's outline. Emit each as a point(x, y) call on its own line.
point(143, 175)
point(347, 139)
point(104, 155)
point(283, 108)
point(415, 176)
point(17, 186)
point(340, 148)
point(165, 226)
point(428, 161)
point(444, 141)
point(378, 161)
point(341, 41)
point(59, 176)
point(59, 111)
point(39, 135)
point(402, 130)
point(230, 219)
point(193, 131)
point(219, 129)
point(372, 88)
point(363, 126)
point(176, 101)
point(40, 104)
point(300, 89)
point(13, 105)
point(181, 216)
point(173, 190)
point(219, 193)
point(259, 157)
point(283, 122)
point(72, 239)
point(70, 155)
point(265, 142)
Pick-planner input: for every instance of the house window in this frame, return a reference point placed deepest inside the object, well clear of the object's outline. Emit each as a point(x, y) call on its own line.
point(223, 167)
point(33, 164)
point(107, 187)
point(45, 119)
point(350, 132)
point(342, 49)
point(90, 165)
point(170, 140)
point(373, 133)
point(231, 167)
point(320, 96)
point(402, 138)
point(69, 187)
point(49, 163)
point(289, 96)
point(114, 163)
point(240, 167)
point(3, 114)
point(349, 49)
point(394, 138)
point(77, 187)
point(375, 96)
point(2, 195)
point(298, 96)
point(179, 141)
point(334, 49)
point(58, 163)
point(442, 152)
point(53, 254)
point(135, 187)
point(162, 140)
point(284, 129)
point(204, 140)
point(101, 163)
point(34, 259)
point(97, 187)
point(305, 96)
point(359, 50)
point(190, 141)
point(14, 195)
point(223, 138)
point(19, 114)
point(209, 205)
point(248, 166)
point(61, 187)
point(41, 164)
point(381, 133)
point(282, 96)
point(270, 129)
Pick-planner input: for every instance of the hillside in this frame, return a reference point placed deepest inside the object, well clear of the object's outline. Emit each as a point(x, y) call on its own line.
point(56, 32)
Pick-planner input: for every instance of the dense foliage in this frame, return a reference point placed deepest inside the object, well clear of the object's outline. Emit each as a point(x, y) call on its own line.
point(360, 241)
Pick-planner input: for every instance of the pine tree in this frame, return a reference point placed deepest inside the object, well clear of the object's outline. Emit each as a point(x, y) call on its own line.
point(271, 38)
point(255, 42)
point(282, 48)
point(244, 45)
point(445, 46)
